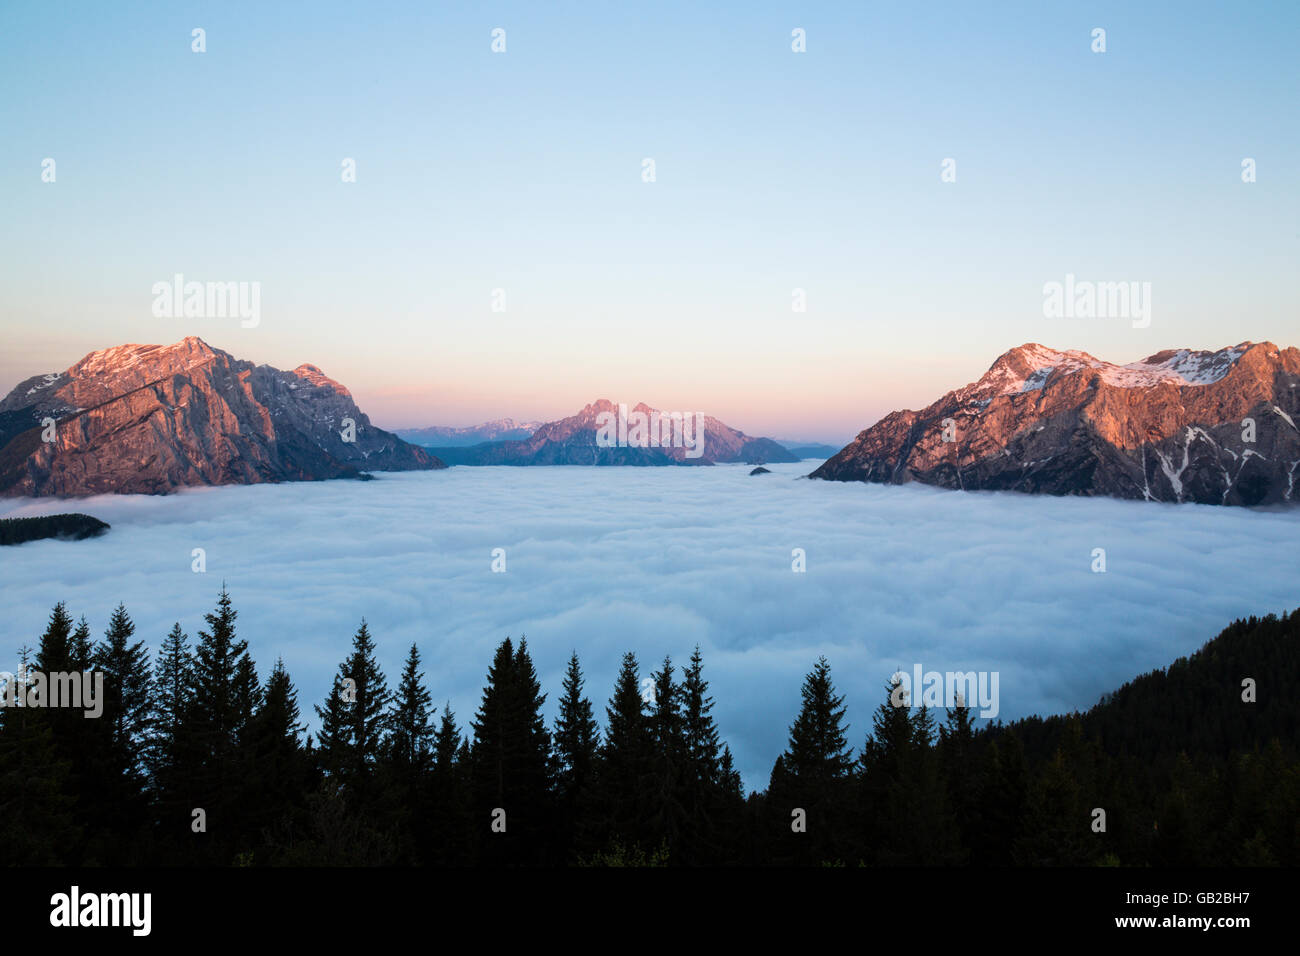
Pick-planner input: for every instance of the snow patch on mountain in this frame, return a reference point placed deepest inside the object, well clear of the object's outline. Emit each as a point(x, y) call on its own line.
point(1030, 367)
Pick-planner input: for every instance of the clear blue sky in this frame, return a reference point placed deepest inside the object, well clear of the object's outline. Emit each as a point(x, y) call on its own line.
point(522, 171)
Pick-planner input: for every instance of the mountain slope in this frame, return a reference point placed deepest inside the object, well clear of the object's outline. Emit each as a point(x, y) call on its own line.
point(153, 418)
point(1168, 428)
point(1195, 704)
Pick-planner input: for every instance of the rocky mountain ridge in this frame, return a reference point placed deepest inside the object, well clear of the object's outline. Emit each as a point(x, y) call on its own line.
point(154, 418)
point(1214, 427)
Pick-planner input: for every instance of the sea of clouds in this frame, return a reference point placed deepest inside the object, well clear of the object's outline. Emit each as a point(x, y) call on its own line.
point(657, 560)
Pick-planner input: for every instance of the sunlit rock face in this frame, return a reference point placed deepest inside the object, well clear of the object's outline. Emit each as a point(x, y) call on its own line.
point(153, 418)
point(1209, 427)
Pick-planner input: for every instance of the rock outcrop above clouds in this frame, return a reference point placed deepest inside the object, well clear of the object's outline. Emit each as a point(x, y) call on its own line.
point(154, 418)
point(1209, 427)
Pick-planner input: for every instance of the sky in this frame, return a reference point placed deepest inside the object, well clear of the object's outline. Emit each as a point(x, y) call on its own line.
point(522, 171)
point(657, 560)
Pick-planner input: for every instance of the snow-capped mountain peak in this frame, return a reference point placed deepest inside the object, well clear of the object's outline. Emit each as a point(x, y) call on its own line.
point(1030, 367)
point(1216, 427)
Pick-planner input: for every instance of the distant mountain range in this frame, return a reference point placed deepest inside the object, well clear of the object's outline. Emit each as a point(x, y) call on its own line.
point(153, 418)
point(504, 429)
point(578, 440)
point(445, 437)
point(1209, 427)
point(808, 449)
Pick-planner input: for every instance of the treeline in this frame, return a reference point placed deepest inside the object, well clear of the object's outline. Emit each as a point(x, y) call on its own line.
point(198, 760)
point(70, 527)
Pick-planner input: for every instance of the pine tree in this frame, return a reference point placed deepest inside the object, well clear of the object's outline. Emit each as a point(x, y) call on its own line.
point(408, 758)
point(893, 735)
point(247, 815)
point(411, 737)
point(923, 728)
point(958, 731)
point(626, 760)
point(174, 691)
point(78, 745)
point(577, 746)
point(818, 752)
point(495, 744)
point(452, 832)
point(577, 736)
point(729, 822)
point(533, 700)
point(39, 823)
point(175, 683)
point(128, 695)
point(217, 685)
point(278, 777)
point(352, 807)
point(115, 771)
point(210, 774)
point(332, 737)
point(248, 698)
point(54, 653)
point(447, 741)
point(669, 763)
point(277, 728)
point(700, 731)
point(814, 773)
point(168, 755)
point(354, 721)
point(536, 780)
point(512, 758)
point(732, 785)
point(369, 712)
point(707, 798)
point(958, 758)
point(81, 650)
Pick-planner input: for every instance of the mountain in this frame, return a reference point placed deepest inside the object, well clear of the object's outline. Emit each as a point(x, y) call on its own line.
point(1167, 428)
point(808, 449)
point(604, 433)
point(446, 436)
point(153, 418)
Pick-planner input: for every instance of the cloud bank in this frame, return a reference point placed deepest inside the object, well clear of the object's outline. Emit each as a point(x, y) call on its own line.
point(657, 560)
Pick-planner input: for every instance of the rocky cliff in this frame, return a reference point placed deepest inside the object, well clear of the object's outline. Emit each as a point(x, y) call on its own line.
point(1210, 427)
point(153, 418)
